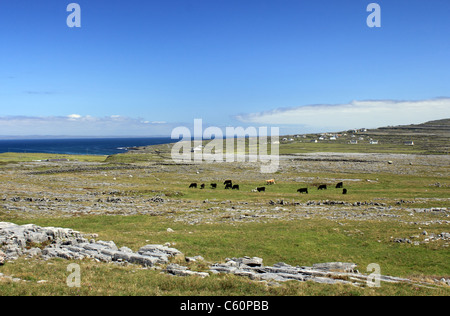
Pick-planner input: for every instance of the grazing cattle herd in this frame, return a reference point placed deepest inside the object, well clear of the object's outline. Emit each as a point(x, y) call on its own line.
point(229, 185)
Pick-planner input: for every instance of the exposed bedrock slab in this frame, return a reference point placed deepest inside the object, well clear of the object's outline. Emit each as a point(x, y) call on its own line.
point(53, 242)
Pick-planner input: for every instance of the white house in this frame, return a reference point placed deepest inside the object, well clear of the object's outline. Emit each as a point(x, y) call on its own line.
point(198, 148)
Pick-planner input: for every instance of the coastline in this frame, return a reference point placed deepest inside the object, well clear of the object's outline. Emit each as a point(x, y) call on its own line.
point(104, 146)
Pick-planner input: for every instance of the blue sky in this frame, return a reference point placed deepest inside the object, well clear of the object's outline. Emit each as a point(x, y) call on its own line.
point(143, 67)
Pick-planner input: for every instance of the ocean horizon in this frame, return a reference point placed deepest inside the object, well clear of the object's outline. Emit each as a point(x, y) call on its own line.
point(79, 145)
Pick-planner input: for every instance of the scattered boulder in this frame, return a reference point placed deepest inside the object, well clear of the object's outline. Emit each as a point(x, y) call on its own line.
point(402, 240)
point(156, 199)
point(195, 259)
point(2, 258)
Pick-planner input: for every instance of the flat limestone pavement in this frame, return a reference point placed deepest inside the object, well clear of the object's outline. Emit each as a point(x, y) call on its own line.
point(17, 240)
point(55, 242)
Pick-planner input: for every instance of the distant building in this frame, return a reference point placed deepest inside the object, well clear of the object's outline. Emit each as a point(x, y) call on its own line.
point(353, 142)
point(198, 148)
point(411, 143)
point(374, 142)
point(314, 141)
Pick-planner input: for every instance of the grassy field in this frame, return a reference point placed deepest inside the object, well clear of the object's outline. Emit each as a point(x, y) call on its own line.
point(302, 243)
point(7, 158)
point(279, 225)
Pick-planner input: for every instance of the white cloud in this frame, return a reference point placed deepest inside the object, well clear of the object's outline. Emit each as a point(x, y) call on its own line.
point(370, 114)
point(73, 117)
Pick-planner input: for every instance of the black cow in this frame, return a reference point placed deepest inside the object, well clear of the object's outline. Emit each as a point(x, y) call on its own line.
point(235, 187)
point(228, 186)
point(213, 185)
point(322, 187)
point(303, 190)
point(228, 182)
point(261, 189)
point(202, 186)
point(344, 191)
point(340, 185)
point(193, 185)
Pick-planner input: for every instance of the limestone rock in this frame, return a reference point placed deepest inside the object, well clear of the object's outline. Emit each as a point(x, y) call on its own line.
point(178, 270)
point(2, 258)
point(71, 245)
point(335, 266)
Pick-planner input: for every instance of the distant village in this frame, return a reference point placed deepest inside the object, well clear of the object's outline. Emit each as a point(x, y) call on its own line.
point(350, 135)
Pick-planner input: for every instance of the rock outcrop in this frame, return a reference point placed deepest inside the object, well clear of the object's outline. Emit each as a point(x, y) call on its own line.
point(51, 242)
point(328, 273)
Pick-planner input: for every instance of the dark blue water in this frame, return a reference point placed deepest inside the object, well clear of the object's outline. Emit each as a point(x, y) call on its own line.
point(79, 146)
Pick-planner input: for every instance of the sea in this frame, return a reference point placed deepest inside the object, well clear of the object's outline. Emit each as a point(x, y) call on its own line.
point(79, 146)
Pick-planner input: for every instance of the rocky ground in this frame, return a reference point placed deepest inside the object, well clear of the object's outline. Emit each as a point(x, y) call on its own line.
point(69, 189)
point(54, 242)
point(66, 189)
point(81, 188)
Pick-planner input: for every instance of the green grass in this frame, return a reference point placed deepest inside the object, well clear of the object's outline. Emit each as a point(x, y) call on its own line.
point(387, 187)
point(160, 152)
point(6, 158)
point(100, 279)
point(296, 243)
point(343, 147)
